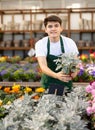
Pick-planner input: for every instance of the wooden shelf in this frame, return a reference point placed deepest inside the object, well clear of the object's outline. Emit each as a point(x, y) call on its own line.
point(37, 84)
point(86, 48)
point(82, 31)
point(21, 31)
point(33, 17)
point(29, 84)
point(15, 48)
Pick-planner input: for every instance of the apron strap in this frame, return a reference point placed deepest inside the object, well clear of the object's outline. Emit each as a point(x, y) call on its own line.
point(62, 45)
point(48, 46)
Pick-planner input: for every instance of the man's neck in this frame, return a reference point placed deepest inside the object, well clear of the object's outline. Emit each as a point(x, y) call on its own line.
point(54, 39)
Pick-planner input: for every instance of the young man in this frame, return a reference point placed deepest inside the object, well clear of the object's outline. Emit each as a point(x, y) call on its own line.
point(48, 49)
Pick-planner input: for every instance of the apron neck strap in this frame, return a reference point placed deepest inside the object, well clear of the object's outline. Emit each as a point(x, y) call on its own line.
point(62, 45)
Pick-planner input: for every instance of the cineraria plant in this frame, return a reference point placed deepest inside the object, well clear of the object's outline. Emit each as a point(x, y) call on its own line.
point(51, 112)
point(67, 62)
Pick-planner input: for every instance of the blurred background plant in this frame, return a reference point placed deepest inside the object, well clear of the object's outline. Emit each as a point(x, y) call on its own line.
point(88, 58)
point(90, 90)
point(19, 72)
point(86, 73)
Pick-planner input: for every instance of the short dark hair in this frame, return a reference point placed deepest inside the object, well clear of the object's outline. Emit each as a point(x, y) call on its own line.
point(52, 18)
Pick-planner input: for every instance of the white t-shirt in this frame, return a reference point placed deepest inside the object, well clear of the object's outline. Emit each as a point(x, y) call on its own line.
point(55, 48)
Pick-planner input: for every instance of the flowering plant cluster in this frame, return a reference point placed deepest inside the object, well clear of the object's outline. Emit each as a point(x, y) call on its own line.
point(88, 58)
point(14, 59)
point(86, 73)
point(9, 94)
point(84, 58)
point(17, 72)
point(90, 89)
point(17, 59)
point(68, 63)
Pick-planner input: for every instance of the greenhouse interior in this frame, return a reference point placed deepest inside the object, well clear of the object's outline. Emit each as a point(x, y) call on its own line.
point(47, 65)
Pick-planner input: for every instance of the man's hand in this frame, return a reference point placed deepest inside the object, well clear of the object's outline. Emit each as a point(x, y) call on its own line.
point(63, 77)
point(73, 75)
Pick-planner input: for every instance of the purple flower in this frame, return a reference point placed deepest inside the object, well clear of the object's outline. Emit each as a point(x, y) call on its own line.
point(81, 72)
point(93, 73)
point(3, 72)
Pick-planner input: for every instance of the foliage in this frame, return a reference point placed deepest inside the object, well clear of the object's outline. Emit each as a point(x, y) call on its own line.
point(50, 112)
point(67, 62)
point(9, 94)
point(86, 73)
point(17, 72)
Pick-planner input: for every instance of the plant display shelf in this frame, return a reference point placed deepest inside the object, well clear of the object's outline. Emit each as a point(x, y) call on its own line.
point(25, 84)
point(37, 84)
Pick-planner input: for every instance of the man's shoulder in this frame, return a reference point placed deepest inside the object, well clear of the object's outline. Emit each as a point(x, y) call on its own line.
point(67, 39)
point(42, 40)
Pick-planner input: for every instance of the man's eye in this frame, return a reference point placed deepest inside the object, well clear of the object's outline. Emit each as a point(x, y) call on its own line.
point(56, 25)
point(50, 26)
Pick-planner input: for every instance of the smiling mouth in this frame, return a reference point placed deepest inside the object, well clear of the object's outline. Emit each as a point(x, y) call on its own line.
point(53, 32)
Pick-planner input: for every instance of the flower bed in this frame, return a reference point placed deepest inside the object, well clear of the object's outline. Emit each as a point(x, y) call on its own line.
point(9, 94)
point(17, 72)
point(26, 108)
point(50, 112)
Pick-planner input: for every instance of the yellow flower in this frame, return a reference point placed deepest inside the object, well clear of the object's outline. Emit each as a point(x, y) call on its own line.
point(84, 57)
point(9, 102)
point(40, 90)
point(16, 88)
point(27, 90)
point(1, 102)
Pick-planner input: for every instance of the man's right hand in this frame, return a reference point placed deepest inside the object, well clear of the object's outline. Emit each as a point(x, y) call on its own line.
point(63, 77)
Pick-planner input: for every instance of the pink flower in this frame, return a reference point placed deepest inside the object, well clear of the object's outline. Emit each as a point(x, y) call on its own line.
point(93, 101)
point(89, 110)
point(93, 92)
point(93, 107)
point(89, 89)
point(93, 85)
point(90, 102)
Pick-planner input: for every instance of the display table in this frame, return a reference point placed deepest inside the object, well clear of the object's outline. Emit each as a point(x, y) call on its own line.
point(37, 84)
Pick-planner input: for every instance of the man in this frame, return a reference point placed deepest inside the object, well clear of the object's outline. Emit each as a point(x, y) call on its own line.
point(48, 49)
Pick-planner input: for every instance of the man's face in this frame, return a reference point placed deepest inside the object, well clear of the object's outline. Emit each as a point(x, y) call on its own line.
point(53, 29)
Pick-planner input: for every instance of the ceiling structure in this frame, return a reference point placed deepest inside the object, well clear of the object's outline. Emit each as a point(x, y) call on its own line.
point(34, 4)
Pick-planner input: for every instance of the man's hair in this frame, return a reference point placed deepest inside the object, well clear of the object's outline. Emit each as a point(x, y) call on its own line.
point(52, 18)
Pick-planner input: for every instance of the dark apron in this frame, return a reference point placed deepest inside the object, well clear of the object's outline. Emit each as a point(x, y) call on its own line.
point(54, 85)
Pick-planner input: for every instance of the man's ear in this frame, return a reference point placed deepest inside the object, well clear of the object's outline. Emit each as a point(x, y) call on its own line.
point(45, 30)
point(62, 28)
